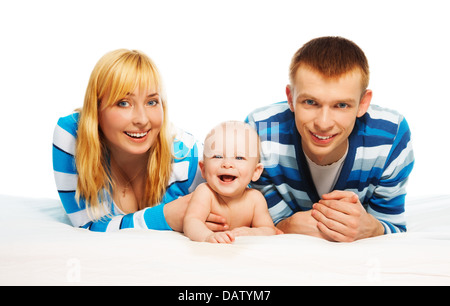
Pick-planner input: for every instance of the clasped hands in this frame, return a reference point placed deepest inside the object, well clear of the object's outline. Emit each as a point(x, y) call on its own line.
point(340, 216)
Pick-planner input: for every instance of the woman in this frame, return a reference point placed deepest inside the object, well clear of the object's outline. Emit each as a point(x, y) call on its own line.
point(118, 163)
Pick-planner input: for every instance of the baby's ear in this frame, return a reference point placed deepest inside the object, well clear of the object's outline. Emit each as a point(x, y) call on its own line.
point(258, 171)
point(201, 164)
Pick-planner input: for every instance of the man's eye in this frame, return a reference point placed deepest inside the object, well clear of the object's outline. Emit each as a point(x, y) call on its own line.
point(309, 102)
point(342, 105)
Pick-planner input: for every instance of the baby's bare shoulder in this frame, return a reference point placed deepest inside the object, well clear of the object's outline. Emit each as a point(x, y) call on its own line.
point(203, 188)
point(254, 194)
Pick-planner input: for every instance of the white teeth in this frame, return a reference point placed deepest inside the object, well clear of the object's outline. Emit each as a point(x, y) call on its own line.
point(322, 137)
point(136, 135)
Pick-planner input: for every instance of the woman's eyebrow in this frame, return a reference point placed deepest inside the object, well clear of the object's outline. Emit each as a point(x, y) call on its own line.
point(130, 94)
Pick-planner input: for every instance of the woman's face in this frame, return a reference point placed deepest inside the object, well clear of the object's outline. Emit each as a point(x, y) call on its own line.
point(132, 124)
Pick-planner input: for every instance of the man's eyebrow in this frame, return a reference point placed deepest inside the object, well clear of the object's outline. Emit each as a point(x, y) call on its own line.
point(305, 96)
point(346, 100)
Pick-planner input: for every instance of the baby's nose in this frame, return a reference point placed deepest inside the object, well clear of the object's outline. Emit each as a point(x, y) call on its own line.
point(227, 164)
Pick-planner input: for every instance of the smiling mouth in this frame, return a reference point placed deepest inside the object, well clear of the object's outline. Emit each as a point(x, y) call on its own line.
point(136, 135)
point(227, 178)
point(321, 137)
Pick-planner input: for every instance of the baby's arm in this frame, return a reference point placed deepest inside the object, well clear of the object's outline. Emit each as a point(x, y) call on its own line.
point(262, 224)
point(197, 212)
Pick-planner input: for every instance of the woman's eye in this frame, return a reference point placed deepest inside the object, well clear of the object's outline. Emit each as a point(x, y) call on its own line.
point(123, 103)
point(152, 103)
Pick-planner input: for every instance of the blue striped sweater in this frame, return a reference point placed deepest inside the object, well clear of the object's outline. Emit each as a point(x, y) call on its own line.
point(184, 178)
point(379, 161)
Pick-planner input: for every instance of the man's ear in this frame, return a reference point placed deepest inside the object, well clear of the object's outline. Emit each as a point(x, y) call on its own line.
point(289, 95)
point(258, 171)
point(364, 103)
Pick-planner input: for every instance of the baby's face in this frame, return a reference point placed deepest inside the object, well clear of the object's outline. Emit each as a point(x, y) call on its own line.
point(231, 159)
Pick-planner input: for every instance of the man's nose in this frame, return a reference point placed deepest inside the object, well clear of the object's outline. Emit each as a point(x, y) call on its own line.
point(324, 119)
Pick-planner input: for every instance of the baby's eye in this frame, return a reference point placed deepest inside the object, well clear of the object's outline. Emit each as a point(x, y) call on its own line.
point(218, 156)
point(240, 158)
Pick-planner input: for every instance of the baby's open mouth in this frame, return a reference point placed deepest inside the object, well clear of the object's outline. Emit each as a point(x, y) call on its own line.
point(227, 178)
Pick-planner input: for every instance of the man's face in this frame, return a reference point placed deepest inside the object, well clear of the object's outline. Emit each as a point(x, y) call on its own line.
point(325, 111)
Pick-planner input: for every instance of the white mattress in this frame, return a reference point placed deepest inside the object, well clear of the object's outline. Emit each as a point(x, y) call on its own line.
point(39, 247)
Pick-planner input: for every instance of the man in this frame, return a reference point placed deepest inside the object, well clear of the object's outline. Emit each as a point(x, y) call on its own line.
point(335, 166)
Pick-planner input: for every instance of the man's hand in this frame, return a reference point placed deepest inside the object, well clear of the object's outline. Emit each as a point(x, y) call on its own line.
point(341, 217)
point(301, 223)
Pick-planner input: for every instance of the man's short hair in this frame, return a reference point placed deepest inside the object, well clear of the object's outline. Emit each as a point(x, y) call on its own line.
point(332, 57)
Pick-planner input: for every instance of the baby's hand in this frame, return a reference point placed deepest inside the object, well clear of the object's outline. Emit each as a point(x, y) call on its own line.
point(221, 237)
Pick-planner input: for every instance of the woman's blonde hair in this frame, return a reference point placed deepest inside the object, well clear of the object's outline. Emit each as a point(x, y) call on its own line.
point(118, 73)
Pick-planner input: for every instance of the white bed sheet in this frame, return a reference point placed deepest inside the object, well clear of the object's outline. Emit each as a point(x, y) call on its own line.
point(39, 247)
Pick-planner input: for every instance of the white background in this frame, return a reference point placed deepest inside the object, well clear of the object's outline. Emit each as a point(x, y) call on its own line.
point(219, 60)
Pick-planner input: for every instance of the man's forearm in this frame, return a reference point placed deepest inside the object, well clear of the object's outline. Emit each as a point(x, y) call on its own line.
point(377, 228)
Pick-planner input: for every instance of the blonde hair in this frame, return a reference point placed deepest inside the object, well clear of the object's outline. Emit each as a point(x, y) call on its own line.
point(118, 73)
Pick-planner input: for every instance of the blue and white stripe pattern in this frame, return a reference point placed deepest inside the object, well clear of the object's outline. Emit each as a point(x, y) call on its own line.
point(379, 161)
point(185, 177)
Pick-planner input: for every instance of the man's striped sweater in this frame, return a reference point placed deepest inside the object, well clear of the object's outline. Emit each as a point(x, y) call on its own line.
point(378, 163)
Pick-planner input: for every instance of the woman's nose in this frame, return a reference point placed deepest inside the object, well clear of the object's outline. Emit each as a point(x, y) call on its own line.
point(139, 115)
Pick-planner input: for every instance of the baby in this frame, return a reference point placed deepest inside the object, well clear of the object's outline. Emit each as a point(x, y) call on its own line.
point(230, 162)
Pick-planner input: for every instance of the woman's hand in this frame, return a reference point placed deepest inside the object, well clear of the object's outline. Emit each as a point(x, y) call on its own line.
point(216, 223)
point(174, 213)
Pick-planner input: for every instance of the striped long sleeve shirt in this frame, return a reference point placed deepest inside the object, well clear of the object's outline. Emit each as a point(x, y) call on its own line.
point(379, 160)
point(184, 178)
